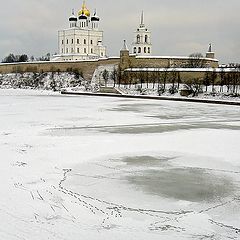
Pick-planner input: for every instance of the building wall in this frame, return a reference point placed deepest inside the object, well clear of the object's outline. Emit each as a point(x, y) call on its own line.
point(80, 44)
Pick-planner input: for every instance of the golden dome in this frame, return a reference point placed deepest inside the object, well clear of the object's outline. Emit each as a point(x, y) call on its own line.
point(84, 10)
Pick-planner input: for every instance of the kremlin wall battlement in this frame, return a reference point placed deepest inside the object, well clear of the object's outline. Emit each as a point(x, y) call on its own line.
point(87, 67)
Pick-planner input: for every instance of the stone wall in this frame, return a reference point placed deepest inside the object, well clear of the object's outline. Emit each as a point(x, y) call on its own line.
point(86, 67)
point(132, 61)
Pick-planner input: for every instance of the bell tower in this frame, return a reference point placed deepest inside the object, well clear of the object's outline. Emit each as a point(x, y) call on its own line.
point(142, 45)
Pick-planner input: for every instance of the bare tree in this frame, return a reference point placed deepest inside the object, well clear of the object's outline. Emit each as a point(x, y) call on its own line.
point(195, 60)
point(222, 79)
point(105, 76)
point(114, 76)
point(206, 80)
point(178, 80)
point(213, 78)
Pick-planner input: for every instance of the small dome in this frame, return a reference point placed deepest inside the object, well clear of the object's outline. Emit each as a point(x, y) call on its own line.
point(73, 18)
point(82, 17)
point(95, 18)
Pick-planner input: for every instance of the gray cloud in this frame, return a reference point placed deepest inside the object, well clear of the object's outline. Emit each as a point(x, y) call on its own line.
point(179, 27)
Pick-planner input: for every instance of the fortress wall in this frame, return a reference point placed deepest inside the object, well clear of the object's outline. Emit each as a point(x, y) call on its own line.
point(86, 67)
point(166, 62)
point(131, 61)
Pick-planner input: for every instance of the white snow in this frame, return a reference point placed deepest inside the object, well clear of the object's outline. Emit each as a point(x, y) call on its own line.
point(210, 69)
point(103, 168)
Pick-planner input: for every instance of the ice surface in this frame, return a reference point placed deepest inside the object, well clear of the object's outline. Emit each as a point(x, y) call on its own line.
point(75, 167)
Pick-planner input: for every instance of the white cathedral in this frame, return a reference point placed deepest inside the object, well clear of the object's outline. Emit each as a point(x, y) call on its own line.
point(82, 40)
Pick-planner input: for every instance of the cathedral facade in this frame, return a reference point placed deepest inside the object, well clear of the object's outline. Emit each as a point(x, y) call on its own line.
point(83, 40)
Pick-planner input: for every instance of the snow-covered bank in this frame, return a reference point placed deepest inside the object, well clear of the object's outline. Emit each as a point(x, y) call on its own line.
point(94, 168)
point(73, 82)
point(44, 81)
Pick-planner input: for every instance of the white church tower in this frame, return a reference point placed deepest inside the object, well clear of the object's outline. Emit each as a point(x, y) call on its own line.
point(141, 45)
point(82, 40)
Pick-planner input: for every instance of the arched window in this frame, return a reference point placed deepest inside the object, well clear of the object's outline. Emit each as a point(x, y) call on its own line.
point(146, 38)
point(67, 41)
point(145, 50)
point(62, 41)
point(139, 50)
point(72, 41)
point(138, 38)
point(78, 50)
point(67, 50)
point(85, 50)
point(91, 50)
point(149, 50)
point(134, 50)
point(77, 41)
point(84, 41)
point(91, 41)
point(72, 50)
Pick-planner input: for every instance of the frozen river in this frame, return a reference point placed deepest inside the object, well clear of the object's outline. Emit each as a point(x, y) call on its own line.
point(102, 168)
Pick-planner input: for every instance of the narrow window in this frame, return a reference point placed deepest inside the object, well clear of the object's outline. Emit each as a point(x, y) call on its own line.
point(149, 50)
point(77, 41)
point(72, 50)
point(67, 50)
point(72, 41)
point(78, 50)
point(62, 50)
point(84, 41)
point(145, 49)
point(135, 50)
point(62, 41)
point(91, 41)
point(139, 50)
point(67, 41)
point(146, 38)
point(91, 50)
point(138, 38)
point(85, 50)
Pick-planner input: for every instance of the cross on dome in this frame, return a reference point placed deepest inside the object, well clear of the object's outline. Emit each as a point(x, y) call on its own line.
point(84, 10)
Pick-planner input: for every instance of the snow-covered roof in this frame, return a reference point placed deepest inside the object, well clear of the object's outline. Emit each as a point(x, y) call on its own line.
point(175, 57)
point(181, 69)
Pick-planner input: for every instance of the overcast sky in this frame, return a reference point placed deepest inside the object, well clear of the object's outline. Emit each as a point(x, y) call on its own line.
point(179, 27)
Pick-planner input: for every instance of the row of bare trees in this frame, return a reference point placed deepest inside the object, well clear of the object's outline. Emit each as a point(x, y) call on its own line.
point(223, 80)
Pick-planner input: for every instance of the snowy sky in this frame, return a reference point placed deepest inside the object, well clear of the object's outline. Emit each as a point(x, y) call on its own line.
point(179, 27)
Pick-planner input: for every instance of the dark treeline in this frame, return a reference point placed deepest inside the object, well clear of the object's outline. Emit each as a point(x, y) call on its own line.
point(12, 58)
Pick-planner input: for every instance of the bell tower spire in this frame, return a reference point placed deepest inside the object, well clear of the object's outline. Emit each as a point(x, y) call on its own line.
point(142, 20)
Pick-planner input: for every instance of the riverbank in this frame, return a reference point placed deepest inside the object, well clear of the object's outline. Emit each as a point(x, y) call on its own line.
point(178, 99)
